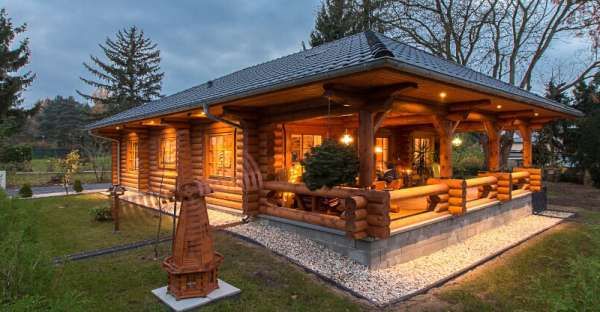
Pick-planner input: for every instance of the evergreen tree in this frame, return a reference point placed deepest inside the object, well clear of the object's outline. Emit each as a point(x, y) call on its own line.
point(587, 131)
point(340, 18)
point(62, 121)
point(11, 61)
point(131, 76)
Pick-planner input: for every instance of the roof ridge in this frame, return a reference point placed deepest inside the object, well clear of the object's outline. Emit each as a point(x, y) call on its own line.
point(378, 48)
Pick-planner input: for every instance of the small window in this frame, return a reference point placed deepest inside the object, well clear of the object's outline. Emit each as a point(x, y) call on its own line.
point(132, 155)
point(300, 144)
point(167, 156)
point(423, 149)
point(221, 155)
point(382, 147)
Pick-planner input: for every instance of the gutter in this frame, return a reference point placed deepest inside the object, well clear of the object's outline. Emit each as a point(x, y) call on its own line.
point(206, 109)
point(118, 153)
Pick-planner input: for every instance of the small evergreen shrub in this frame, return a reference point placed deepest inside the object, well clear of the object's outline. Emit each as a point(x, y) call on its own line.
point(77, 186)
point(101, 214)
point(330, 164)
point(25, 191)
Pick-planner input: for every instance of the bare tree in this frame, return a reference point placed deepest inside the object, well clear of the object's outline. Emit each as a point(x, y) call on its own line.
point(507, 39)
point(95, 150)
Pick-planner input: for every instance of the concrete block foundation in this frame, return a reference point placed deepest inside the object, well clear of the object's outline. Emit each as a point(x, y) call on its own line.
point(415, 240)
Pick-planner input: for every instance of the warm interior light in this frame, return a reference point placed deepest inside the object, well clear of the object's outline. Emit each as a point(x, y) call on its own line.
point(346, 139)
point(378, 149)
point(536, 114)
point(347, 105)
point(443, 94)
point(498, 106)
point(118, 127)
point(457, 141)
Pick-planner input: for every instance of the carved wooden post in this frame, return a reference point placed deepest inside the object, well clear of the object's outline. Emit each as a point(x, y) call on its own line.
point(492, 132)
point(194, 264)
point(445, 132)
point(525, 132)
point(366, 145)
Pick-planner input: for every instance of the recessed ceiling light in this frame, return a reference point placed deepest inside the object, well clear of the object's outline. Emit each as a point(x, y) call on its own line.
point(347, 105)
point(536, 114)
point(498, 106)
point(443, 94)
point(118, 127)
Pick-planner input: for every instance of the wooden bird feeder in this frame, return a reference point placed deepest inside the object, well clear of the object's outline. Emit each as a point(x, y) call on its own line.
point(115, 192)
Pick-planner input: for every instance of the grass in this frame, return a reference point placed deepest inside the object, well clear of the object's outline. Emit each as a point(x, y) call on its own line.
point(557, 273)
point(122, 282)
point(42, 171)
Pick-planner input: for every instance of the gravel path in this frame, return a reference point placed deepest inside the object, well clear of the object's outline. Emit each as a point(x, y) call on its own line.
point(217, 218)
point(385, 286)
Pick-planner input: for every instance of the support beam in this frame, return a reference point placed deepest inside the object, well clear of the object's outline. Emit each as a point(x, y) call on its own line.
point(525, 132)
point(444, 128)
point(366, 145)
point(493, 133)
point(467, 105)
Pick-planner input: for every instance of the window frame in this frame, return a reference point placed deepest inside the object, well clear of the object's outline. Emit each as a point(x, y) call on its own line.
point(302, 131)
point(162, 145)
point(132, 161)
point(208, 172)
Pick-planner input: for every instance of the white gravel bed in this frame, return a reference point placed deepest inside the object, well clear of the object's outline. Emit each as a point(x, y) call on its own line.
point(384, 286)
point(217, 217)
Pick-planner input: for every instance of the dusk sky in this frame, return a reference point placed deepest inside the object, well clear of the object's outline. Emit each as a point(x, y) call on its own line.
point(199, 40)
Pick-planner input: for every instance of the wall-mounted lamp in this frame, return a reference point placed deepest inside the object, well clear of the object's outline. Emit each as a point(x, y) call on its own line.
point(378, 149)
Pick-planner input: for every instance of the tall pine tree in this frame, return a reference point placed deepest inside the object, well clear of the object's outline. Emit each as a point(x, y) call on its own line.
point(340, 18)
point(131, 76)
point(12, 60)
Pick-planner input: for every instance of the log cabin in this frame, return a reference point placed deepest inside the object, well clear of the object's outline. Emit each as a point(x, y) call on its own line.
point(400, 107)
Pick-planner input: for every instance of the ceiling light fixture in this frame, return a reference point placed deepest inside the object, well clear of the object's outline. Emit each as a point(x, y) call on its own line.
point(498, 106)
point(443, 95)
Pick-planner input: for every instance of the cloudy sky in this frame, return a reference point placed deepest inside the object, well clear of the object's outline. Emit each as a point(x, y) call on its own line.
point(199, 40)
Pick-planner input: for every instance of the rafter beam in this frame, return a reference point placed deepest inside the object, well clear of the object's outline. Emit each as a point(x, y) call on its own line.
point(467, 105)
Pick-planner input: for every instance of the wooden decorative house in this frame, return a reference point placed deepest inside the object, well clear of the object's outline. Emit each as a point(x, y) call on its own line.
point(400, 108)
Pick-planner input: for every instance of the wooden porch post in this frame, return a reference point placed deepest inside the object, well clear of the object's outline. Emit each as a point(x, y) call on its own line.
point(366, 143)
point(525, 132)
point(445, 131)
point(493, 147)
point(184, 157)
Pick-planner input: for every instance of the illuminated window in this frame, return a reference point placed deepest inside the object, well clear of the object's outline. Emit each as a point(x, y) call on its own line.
point(301, 144)
point(221, 155)
point(167, 157)
point(382, 147)
point(132, 155)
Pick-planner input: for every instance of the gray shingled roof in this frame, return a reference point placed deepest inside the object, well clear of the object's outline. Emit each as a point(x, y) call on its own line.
point(354, 53)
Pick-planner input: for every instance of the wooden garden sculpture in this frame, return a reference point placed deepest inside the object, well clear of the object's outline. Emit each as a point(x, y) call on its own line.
point(194, 264)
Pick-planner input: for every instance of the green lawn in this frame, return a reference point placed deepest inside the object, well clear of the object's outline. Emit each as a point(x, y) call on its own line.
point(560, 271)
point(122, 282)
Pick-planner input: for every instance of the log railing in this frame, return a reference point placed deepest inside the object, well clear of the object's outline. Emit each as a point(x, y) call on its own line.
point(481, 191)
point(456, 194)
point(365, 212)
point(535, 178)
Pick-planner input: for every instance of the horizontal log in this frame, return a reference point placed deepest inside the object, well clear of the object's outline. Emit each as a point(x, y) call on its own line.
point(357, 226)
point(535, 183)
point(504, 183)
point(356, 203)
point(358, 214)
point(339, 192)
point(379, 220)
point(535, 188)
point(455, 201)
point(520, 175)
point(381, 232)
point(305, 216)
point(456, 192)
point(224, 203)
point(456, 210)
point(503, 190)
point(418, 191)
point(378, 209)
point(503, 197)
point(358, 235)
point(535, 177)
point(441, 207)
point(481, 181)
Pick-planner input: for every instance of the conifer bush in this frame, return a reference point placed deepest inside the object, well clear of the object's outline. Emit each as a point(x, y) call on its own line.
point(77, 186)
point(25, 191)
point(330, 164)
